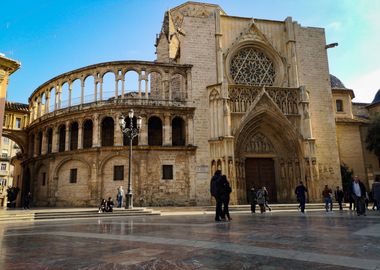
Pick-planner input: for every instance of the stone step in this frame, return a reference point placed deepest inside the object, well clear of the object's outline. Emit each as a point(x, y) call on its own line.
point(51, 214)
point(276, 207)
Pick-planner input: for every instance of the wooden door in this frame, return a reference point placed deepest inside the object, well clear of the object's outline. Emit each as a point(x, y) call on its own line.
point(259, 172)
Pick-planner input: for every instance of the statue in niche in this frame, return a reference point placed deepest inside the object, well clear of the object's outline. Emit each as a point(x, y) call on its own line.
point(282, 169)
point(307, 172)
point(290, 170)
point(230, 169)
point(298, 170)
point(315, 169)
point(259, 144)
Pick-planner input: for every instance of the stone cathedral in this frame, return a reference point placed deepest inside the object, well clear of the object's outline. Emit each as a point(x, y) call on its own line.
point(251, 97)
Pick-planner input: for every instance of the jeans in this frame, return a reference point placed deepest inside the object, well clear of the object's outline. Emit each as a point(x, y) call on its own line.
point(328, 201)
point(119, 201)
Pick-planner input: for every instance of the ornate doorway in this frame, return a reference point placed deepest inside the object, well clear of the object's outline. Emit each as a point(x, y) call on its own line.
point(260, 172)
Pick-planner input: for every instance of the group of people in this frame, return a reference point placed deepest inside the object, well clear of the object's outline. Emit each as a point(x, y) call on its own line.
point(259, 197)
point(357, 196)
point(108, 205)
point(220, 189)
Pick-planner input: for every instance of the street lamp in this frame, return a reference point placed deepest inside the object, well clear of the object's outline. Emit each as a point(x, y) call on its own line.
point(131, 133)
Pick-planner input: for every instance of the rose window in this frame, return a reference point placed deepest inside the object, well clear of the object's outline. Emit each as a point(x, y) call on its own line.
point(252, 67)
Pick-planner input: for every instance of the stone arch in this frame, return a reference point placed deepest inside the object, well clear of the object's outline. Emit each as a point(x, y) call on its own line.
point(108, 185)
point(178, 131)
point(107, 131)
point(18, 136)
point(66, 193)
point(281, 150)
point(60, 164)
point(155, 131)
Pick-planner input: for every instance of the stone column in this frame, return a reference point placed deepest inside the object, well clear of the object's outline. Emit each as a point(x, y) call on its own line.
point(44, 142)
point(95, 90)
point(116, 88)
point(146, 88)
point(39, 107)
point(67, 137)
point(80, 134)
point(70, 90)
point(139, 85)
point(36, 143)
point(190, 130)
point(189, 85)
point(101, 90)
point(59, 97)
point(55, 134)
point(47, 101)
point(143, 136)
point(122, 88)
point(167, 140)
point(170, 86)
point(118, 136)
point(95, 131)
point(81, 91)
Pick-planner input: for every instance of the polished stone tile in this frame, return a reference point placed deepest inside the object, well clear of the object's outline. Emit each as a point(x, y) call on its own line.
point(269, 241)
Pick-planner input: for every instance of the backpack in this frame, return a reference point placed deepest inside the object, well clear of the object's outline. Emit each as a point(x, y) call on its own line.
point(260, 196)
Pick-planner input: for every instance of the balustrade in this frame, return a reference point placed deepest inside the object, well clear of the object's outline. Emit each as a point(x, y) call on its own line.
point(157, 84)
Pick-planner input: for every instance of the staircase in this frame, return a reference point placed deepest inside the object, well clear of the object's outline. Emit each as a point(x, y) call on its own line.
point(288, 207)
point(71, 213)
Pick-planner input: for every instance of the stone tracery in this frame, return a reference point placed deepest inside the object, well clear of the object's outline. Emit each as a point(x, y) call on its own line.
point(252, 67)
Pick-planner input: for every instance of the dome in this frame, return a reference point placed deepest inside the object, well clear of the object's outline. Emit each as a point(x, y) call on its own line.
point(335, 82)
point(377, 98)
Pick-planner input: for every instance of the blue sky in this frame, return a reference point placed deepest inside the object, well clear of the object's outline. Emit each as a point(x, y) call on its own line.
point(53, 37)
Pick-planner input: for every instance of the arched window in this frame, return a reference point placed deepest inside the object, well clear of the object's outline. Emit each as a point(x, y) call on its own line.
point(178, 132)
point(251, 66)
point(74, 136)
point(87, 134)
point(107, 131)
point(49, 135)
point(62, 138)
point(39, 143)
point(135, 140)
point(154, 131)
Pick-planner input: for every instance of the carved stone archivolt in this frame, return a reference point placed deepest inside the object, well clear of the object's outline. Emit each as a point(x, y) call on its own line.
point(259, 143)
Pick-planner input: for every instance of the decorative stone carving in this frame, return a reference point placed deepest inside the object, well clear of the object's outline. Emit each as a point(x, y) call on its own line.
point(259, 144)
point(252, 67)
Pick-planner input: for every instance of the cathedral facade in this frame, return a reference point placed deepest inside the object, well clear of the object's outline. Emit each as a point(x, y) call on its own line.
point(251, 97)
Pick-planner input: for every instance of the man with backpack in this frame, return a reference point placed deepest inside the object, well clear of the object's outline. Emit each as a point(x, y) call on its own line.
point(216, 192)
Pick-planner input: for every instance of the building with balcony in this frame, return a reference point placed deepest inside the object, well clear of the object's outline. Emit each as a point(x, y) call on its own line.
point(251, 97)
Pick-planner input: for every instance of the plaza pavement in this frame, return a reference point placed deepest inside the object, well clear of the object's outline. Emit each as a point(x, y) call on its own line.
point(274, 240)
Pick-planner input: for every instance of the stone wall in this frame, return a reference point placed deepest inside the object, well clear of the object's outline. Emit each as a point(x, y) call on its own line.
point(314, 74)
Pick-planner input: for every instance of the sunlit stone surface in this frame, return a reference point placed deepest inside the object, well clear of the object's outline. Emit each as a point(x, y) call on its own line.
point(315, 240)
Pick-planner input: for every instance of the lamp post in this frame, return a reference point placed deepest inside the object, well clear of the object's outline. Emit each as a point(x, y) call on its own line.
point(131, 133)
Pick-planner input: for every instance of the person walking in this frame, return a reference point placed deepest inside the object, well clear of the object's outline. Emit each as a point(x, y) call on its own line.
point(339, 195)
point(301, 191)
point(326, 193)
point(376, 194)
point(253, 199)
point(225, 197)
point(27, 200)
point(266, 196)
point(358, 191)
point(215, 190)
point(261, 200)
point(120, 196)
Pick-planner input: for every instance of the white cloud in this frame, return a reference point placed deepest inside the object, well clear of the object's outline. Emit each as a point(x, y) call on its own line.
point(334, 26)
point(365, 86)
